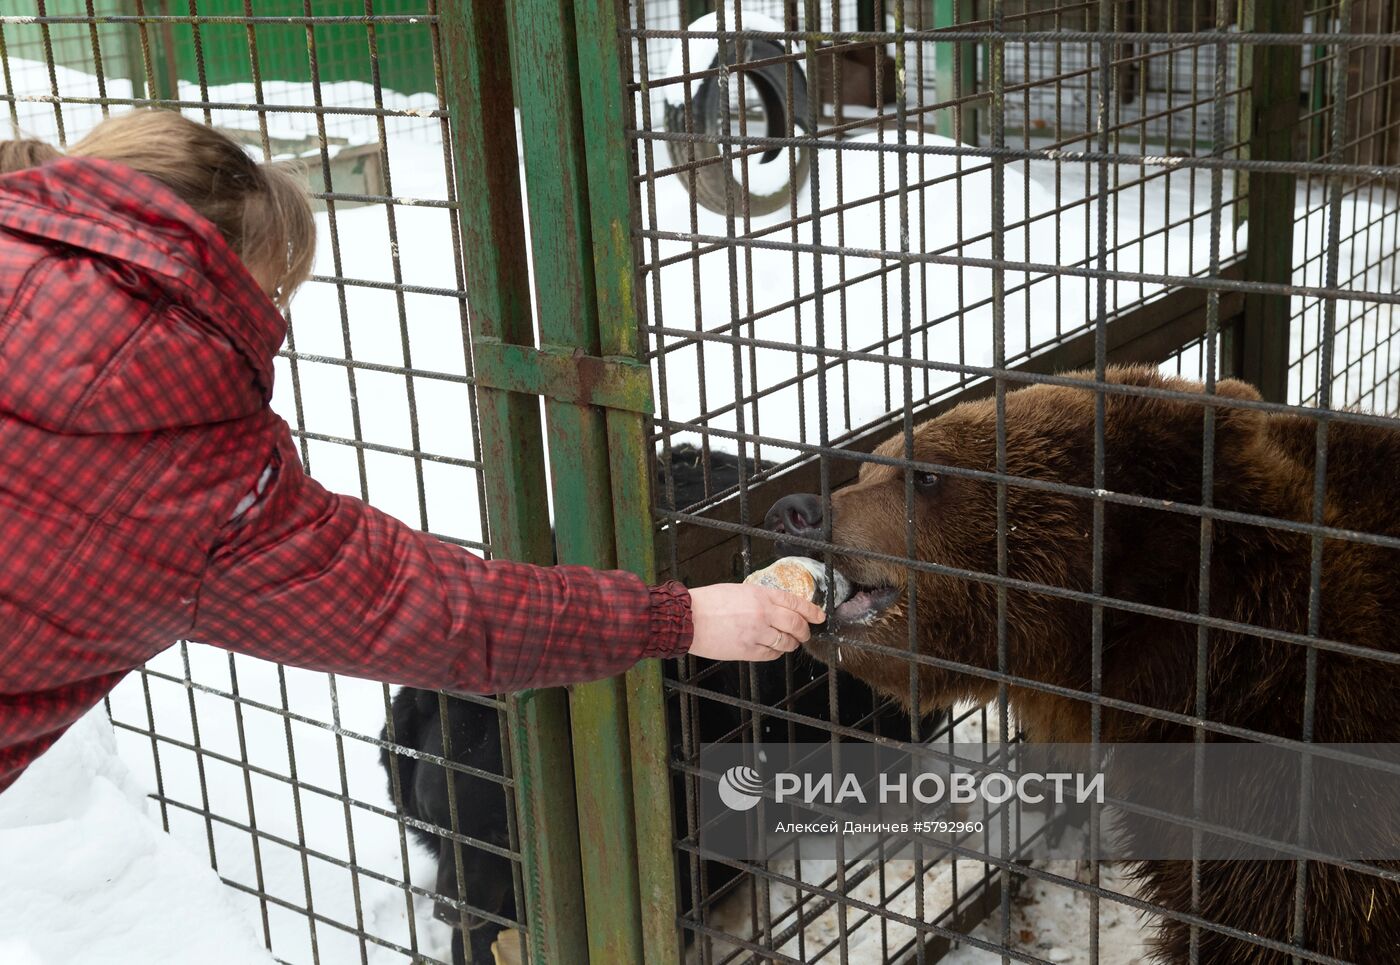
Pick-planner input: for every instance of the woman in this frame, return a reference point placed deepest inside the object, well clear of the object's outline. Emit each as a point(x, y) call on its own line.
point(148, 493)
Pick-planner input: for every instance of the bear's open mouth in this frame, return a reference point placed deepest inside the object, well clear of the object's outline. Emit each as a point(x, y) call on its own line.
point(864, 603)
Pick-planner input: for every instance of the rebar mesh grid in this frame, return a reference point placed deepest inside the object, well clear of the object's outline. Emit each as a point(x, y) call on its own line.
point(852, 217)
point(271, 772)
point(988, 194)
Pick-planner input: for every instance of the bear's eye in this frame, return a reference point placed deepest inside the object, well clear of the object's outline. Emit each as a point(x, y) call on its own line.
point(925, 480)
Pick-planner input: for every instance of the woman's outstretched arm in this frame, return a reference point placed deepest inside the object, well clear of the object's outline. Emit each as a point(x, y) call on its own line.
point(327, 582)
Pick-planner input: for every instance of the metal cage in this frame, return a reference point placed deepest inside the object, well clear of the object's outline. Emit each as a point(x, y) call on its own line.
point(979, 197)
point(687, 258)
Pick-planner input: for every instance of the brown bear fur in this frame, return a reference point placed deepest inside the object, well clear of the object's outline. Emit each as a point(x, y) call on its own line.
point(1263, 465)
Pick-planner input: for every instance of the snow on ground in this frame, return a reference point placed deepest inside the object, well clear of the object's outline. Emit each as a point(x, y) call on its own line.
point(88, 876)
point(311, 814)
point(1053, 921)
point(40, 118)
point(1048, 919)
point(867, 315)
point(79, 816)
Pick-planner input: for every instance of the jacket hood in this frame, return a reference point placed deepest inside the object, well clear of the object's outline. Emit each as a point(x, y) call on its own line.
point(130, 304)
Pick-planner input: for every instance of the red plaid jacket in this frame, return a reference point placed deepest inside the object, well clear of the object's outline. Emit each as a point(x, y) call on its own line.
point(135, 373)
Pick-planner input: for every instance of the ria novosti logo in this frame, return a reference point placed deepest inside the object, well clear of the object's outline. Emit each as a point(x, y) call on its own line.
point(740, 787)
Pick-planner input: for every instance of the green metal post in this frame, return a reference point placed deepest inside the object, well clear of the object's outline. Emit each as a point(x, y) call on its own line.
point(606, 109)
point(563, 66)
point(479, 93)
point(545, 54)
point(1271, 78)
point(955, 74)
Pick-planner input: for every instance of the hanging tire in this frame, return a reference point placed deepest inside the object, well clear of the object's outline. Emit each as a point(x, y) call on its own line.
point(710, 182)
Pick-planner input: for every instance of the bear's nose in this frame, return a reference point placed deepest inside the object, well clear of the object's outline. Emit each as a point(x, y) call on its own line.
point(797, 515)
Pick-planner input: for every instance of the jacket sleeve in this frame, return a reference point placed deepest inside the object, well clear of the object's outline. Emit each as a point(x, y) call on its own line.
point(327, 582)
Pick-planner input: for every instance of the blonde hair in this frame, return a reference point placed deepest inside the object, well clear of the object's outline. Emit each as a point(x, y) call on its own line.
point(262, 210)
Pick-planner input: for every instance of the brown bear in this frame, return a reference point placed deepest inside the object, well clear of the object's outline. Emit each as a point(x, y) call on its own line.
point(1263, 465)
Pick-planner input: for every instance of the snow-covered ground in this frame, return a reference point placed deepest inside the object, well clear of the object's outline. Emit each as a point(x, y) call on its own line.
point(86, 865)
point(866, 316)
point(87, 876)
point(1054, 921)
point(1048, 919)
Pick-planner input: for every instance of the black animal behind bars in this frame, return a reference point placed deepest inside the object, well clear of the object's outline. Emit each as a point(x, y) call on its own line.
point(475, 741)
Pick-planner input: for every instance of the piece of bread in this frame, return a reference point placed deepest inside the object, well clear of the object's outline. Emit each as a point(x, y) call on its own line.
point(804, 577)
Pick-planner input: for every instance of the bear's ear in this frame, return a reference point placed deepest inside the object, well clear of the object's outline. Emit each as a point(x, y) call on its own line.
point(1156, 444)
point(1150, 377)
point(1236, 389)
point(1237, 422)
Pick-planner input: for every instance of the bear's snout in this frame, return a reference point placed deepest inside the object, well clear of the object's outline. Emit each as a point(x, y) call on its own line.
point(799, 515)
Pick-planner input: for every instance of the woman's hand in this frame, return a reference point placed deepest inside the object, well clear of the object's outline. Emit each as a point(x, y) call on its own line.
point(737, 621)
